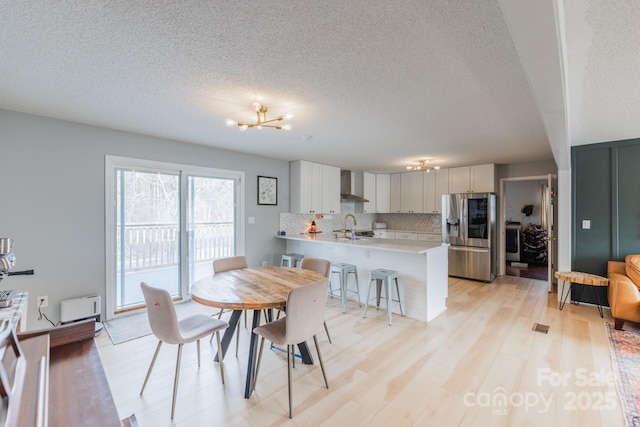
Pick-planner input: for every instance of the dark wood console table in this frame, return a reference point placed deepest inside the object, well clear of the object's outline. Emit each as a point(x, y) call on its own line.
point(78, 391)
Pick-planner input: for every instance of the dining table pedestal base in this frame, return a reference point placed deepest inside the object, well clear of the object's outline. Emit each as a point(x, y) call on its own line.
point(305, 354)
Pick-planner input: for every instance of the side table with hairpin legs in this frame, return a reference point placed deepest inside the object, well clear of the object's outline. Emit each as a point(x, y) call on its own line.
point(586, 279)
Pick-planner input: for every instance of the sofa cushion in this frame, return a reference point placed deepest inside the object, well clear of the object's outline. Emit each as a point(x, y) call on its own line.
point(632, 268)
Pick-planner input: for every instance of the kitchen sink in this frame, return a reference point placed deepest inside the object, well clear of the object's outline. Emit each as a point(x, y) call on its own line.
point(349, 238)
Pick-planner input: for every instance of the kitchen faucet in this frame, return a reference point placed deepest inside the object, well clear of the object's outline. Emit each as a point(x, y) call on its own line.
point(345, 224)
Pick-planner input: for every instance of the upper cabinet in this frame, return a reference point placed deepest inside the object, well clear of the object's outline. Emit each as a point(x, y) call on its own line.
point(376, 190)
point(394, 193)
point(369, 180)
point(473, 179)
point(314, 188)
point(302, 197)
point(330, 189)
point(434, 185)
point(382, 192)
point(411, 192)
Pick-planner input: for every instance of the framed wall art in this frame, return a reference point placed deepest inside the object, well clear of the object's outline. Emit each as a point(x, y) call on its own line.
point(267, 190)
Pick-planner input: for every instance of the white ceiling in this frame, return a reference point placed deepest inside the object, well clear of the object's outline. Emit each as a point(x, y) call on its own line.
point(372, 85)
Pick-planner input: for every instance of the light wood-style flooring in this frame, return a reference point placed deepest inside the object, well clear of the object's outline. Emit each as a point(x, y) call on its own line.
point(477, 364)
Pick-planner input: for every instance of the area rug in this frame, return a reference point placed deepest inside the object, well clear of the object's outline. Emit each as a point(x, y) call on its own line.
point(136, 325)
point(625, 352)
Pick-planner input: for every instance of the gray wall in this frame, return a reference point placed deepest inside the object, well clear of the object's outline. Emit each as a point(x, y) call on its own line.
point(515, 170)
point(52, 174)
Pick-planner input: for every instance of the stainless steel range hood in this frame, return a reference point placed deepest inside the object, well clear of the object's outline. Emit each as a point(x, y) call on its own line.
point(352, 186)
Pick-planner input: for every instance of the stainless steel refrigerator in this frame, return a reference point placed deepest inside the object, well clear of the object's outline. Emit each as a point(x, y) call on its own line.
point(469, 226)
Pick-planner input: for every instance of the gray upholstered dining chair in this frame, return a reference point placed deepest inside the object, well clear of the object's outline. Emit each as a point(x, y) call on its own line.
point(226, 264)
point(221, 265)
point(229, 263)
point(323, 267)
point(167, 328)
point(305, 315)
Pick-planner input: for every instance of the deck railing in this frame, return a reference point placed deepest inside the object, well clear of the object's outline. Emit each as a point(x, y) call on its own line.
point(150, 246)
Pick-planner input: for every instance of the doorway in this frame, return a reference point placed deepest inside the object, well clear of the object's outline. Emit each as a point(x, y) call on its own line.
point(527, 244)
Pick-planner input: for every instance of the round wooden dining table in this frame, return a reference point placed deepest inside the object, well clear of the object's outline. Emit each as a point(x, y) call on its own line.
point(252, 289)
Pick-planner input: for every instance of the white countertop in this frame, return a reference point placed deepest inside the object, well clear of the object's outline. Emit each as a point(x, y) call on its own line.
point(396, 245)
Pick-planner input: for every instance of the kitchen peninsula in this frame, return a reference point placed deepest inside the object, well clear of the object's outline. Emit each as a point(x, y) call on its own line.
point(422, 266)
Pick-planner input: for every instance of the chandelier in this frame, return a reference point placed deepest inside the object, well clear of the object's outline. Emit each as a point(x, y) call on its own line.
point(262, 122)
point(422, 166)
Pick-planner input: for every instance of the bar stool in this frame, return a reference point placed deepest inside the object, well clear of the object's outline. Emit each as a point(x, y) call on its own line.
point(344, 270)
point(292, 260)
point(387, 276)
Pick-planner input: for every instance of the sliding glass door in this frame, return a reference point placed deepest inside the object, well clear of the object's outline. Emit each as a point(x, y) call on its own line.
point(165, 225)
point(147, 234)
point(211, 223)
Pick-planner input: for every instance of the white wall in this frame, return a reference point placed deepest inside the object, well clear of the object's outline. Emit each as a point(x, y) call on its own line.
point(518, 194)
point(52, 175)
point(564, 235)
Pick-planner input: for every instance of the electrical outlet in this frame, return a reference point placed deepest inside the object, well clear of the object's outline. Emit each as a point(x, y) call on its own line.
point(43, 301)
point(264, 263)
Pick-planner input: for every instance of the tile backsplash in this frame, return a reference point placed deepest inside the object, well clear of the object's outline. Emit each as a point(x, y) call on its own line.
point(412, 222)
point(299, 223)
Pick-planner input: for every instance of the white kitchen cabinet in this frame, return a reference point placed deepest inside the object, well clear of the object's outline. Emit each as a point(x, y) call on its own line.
point(430, 237)
point(434, 185)
point(304, 198)
point(395, 193)
point(472, 179)
point(483, 178)
point(314, 188)
point(442, 187)
point(459, 180)
point(411, 192)
point(382, 192)
point(406, 236)
point(369, 180)
point(384, 234)
point(330, 189)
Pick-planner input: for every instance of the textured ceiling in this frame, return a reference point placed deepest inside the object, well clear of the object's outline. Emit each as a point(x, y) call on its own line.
point(603, 51)
point(371, 85)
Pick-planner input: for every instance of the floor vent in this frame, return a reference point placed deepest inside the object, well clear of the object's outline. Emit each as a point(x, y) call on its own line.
point(537, 327)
